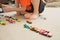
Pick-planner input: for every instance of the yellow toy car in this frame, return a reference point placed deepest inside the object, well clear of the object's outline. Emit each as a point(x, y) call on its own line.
point(3, 23)
point(18, 20)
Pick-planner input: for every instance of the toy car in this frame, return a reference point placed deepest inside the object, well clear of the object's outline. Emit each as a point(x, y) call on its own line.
point(10, 20)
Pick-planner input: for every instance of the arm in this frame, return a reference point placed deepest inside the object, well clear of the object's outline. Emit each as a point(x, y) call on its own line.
point(8, 8)
point(16, 3)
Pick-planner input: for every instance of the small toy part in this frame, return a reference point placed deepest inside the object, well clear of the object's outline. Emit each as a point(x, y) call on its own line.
point(35, 29)
point(13, 18)
point(26, 26)
point(45, 33)
point(18, 20)
point(10, 17)
point(29, 21)
point(6, 16)
point(49, 34)
point(41, 31)
point(3, 23)
point(10, 20)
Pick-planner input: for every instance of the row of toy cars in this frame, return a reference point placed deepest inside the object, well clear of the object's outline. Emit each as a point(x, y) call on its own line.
point(38, 30)
point(10, 19)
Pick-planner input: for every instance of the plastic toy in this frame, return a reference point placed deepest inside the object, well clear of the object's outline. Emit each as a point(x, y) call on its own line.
point(26, 26)
point(10, 17)
point(34, 29)
point(45, 33)
point(14, 18)
point(40, 31)
point(6, 16)
point(10, 20)
point(2, 22)
point(18, 20)
point(29, 21)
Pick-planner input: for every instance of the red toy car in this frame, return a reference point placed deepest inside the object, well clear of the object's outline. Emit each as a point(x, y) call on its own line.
point(10, 20)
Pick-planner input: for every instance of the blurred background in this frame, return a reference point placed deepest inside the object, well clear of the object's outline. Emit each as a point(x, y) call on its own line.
point(53, 3)
point(50, 3)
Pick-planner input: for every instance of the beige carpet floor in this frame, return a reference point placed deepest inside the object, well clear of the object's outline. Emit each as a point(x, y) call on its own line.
point(16, 31)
